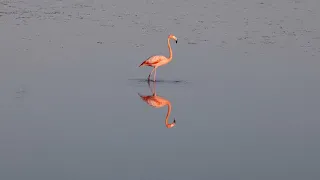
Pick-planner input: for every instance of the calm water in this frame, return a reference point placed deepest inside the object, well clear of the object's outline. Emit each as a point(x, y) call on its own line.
point(243, 85)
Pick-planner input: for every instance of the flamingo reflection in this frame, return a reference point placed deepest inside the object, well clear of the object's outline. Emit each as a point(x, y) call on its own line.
point(157, 102)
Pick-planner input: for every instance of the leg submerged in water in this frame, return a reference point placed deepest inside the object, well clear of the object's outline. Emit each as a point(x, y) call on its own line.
point(154, 75)
point(151, 73)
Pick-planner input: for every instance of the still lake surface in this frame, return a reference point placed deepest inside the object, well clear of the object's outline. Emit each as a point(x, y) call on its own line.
point(243, 85)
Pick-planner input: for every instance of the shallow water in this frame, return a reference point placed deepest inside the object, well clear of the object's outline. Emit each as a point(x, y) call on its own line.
point(243, 85)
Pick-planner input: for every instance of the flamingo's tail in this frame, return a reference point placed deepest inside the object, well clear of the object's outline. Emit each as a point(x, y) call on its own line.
point(143, 97)
point(142, 64)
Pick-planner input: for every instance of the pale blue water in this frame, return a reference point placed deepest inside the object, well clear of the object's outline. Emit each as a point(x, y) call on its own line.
point(243, 84)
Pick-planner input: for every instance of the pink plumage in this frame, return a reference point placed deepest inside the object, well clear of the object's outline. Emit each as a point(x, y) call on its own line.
point(159, 60)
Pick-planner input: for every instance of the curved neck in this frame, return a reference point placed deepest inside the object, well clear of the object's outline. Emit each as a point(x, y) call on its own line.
point(168, 114)
point(169, 125)
point(170, 50)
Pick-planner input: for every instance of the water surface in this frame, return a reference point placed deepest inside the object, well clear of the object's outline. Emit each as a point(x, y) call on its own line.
point(243, 85)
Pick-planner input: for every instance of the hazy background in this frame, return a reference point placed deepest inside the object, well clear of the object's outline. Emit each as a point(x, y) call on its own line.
point(247, 103)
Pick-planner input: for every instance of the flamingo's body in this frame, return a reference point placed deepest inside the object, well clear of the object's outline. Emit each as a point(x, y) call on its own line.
point(158, 102)
point(159, 60)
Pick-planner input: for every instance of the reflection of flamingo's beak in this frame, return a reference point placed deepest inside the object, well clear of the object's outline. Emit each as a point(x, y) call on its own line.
point(172, 124)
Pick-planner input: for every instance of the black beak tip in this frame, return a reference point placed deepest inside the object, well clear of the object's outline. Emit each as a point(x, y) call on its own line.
point(174, 120)
point(176, 41)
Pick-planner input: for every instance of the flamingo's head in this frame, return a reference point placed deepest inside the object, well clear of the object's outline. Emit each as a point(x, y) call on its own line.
point(171, 36)
point(172, 124)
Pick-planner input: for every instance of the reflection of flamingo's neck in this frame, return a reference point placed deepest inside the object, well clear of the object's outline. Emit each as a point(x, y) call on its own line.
point(170, 50)
point(167, 117)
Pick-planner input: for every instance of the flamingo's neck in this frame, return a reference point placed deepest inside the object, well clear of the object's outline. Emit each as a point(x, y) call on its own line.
point(167, 117)
point(168, 113)
point(170, 50)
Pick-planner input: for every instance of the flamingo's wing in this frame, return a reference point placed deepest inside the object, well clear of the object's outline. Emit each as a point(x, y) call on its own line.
point(154, 59)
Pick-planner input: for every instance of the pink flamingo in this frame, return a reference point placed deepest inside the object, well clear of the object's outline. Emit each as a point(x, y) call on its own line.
point(158, 102)
point(159, 60)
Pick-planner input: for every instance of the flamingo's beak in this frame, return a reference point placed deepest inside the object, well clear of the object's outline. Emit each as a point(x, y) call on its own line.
point(176, 41)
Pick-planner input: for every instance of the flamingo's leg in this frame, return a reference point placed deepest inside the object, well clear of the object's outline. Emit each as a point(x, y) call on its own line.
point(151, 73)
point(154, 75)
point(150, 87)
point(154, 89)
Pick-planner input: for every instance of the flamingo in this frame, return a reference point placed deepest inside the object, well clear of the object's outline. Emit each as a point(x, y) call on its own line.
point(157, 102)
point(159, 60)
